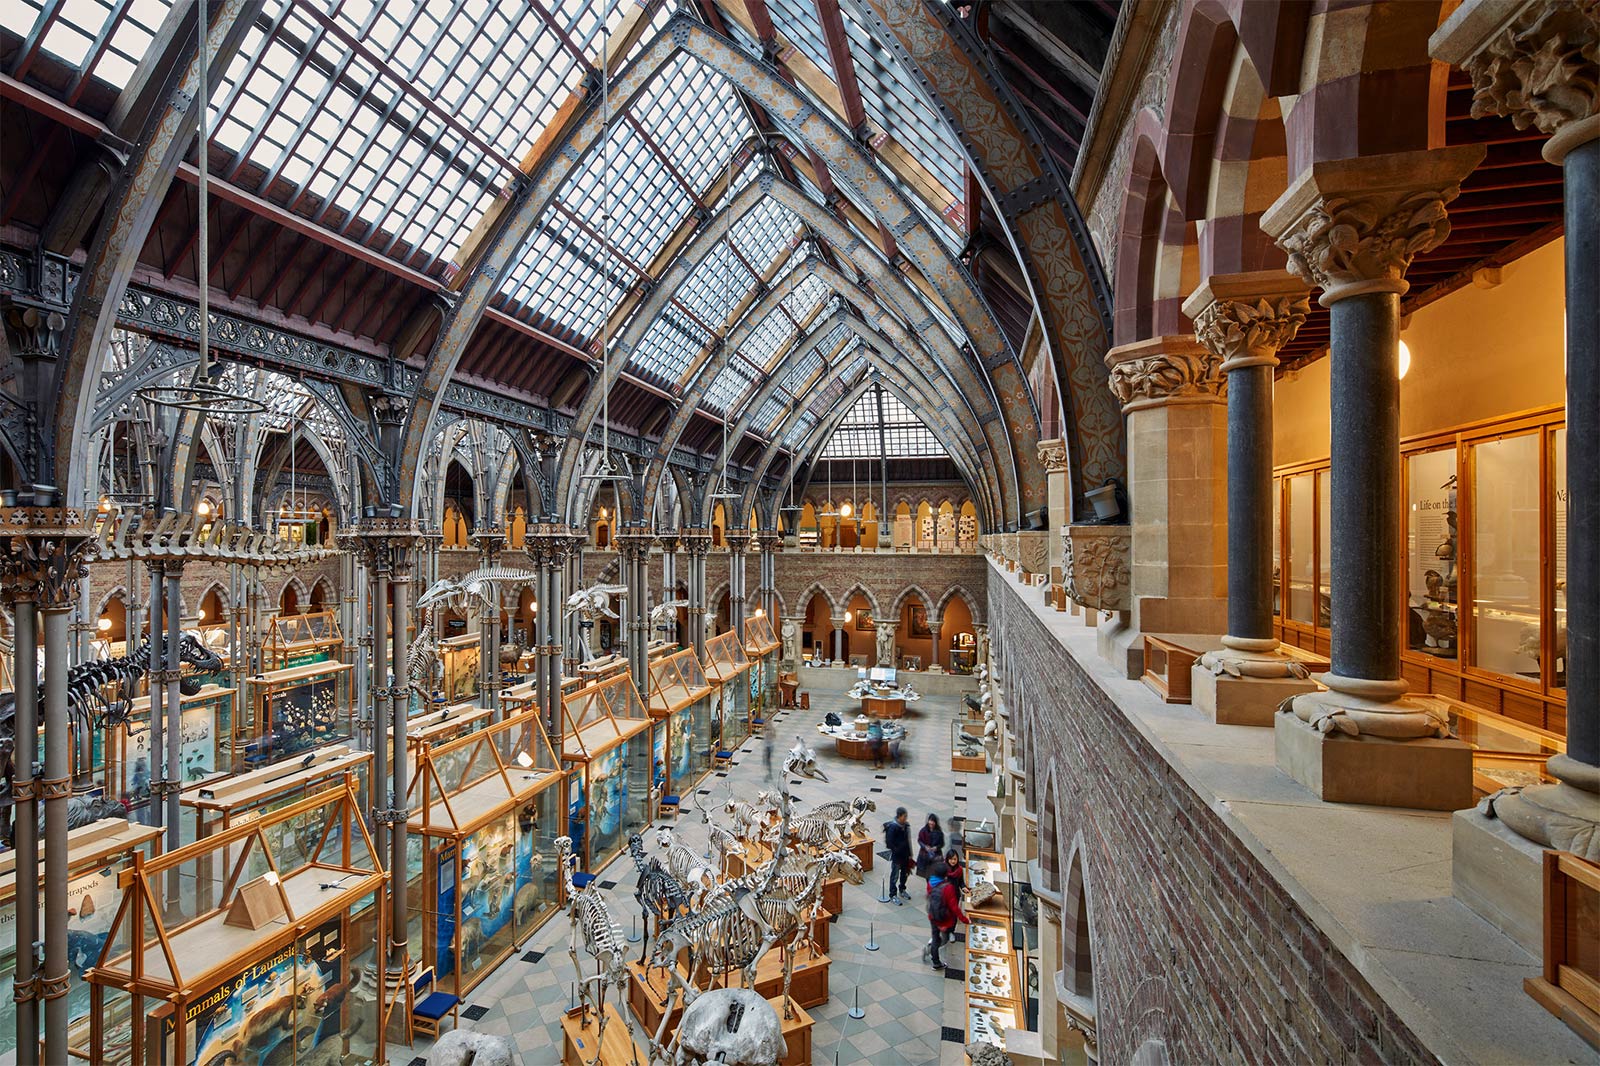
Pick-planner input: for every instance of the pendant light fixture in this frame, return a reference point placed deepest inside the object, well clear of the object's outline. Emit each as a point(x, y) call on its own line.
point(723, 492)
point(605, 469)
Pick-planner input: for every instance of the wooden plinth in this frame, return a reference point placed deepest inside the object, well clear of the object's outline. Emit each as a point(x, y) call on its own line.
point(833, 895)
point(875, 707)
point(808, 986)
point(796, 1032)
point(864, 847)
point(969, 764)
point(579, 1038)
point(851, 748)
point(647, 991)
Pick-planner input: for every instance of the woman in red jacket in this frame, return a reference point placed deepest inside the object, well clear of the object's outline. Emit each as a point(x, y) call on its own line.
point(944, 910)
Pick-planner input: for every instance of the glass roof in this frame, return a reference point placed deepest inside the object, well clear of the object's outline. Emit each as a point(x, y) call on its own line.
point(903, 434)
point(104, 39)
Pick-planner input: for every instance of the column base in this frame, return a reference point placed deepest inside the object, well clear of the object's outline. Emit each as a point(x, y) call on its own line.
point(1426, 774)
point(1120, 643)
point(1564, 815)
point(1242, 699)
point(1499, 875)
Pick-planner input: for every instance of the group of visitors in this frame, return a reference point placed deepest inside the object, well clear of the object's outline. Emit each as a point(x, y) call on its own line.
point(943, 869)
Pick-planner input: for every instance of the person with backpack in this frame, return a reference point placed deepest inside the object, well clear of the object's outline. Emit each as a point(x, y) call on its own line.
point(897, 838)
point(944, 910)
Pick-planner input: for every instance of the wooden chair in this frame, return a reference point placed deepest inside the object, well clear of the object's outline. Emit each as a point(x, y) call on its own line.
point(722, 760)
point(668, 805)
point(426, 1007)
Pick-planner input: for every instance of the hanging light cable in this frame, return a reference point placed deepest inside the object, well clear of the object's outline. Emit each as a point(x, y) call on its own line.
point(606, 470)
point(723, 492)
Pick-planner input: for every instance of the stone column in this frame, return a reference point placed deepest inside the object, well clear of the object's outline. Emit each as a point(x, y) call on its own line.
point(1351, 228)
point(633, 547)
point(1058, 490)
point(1535, 62)
point(886, 630)
point(738, 553)
point(838, 636)
point(698, 543)
point(1171, 393)
point(1244, 319)
point(490, 542)
point(769, 544)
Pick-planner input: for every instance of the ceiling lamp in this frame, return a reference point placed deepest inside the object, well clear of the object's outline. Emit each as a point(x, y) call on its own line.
point(1405, 361)
point(605, 469)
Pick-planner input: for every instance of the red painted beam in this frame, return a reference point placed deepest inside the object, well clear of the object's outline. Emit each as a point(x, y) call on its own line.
point(844, 67)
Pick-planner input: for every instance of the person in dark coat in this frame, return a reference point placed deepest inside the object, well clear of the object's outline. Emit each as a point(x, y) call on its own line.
point(897, 838)
point(944, 911)
point(930, 845)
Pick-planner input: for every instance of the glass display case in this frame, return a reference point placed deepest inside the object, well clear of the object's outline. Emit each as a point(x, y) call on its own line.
point(294, 924)
point(680, 701)
point(459, 657)
point(761, 648)
point(1504, 751)
point(96, 856)
point(1432, 541)
point(291, 711)
point(205, 734)
point(298, 639)
point(606, 739)
point(728, 670)
point(485, 815)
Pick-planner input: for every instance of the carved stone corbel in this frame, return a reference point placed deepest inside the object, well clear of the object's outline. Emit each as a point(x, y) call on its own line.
point(1096, 560)
point(1164, 370)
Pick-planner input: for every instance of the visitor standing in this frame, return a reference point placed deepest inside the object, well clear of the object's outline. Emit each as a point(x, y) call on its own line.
point(766, 751)
point(875, 743)
point(958, 872)
point(897, 838)
point(944, 911)
point(894, 748)
point(930, 845)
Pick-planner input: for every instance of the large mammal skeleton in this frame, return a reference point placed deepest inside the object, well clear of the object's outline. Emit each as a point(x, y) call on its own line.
point(590, 605)
point(590, 919)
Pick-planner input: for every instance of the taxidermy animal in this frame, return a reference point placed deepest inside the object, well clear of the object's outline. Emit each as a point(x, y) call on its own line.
point(463, 1047)
point(734, 1026)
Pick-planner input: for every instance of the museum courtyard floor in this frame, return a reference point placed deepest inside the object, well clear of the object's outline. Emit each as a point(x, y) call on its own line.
point(913, 1015)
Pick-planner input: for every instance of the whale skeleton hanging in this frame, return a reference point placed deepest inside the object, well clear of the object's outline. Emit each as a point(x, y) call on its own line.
point(187, 537)
point(590, 605)
point(590, 921)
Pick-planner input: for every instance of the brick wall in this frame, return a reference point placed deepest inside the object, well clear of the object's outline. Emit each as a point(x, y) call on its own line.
point(107, 577)
point(1194, 943)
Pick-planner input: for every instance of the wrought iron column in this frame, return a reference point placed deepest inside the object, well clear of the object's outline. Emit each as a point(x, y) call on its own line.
point(25, 810)
point(157, 810)
point(738, 549)
point(174, 579)
point(57, 790)
point(399, 706)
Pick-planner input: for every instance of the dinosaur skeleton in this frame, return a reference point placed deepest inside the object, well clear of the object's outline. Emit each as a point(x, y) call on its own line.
point(100, 694)
point(140, 536)
point(590, 918)
point(660, 895)
point(589, 605)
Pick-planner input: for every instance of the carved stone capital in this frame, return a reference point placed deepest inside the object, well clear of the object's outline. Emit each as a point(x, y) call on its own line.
point(1164, 370)
point(1095, 561)
point(44, 553)
point(1352, 226)
point(1244, 319)
point(1053, 454)
point(1532, 62)
point(697, 542)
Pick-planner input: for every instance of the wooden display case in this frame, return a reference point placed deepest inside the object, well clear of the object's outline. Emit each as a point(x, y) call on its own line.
point(96, 856)
point(1504, 751)
point(761, 647)
point(299, 639)
point(728, 669)
point(1569, 985)
point(288, 712)
point(295, 921)
point(481, 864)
point(680, 701)
point(206, 744)
point(460, 657)
point(606, 740)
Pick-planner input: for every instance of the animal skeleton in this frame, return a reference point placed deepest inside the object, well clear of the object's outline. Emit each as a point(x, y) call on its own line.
point(589, 605)
point(660, 895)
point(663, 616)
point(723, 844)
point(851, 814)
point(697, 879)
point(733, 1026)
point(602, 939)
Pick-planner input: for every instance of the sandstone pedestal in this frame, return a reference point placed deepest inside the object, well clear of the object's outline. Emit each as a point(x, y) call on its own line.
point(1254, 701)
point(1426, 774)
point(1499, 875)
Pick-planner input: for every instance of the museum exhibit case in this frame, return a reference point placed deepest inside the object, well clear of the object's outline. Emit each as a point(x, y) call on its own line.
point(761, 647)
point(218, 641)
point(276, 966)
point(298, 639)
point(459, 656)
point(995, 997)
point(207, 744)
point(606, 741)
point(1484, 567)
point(96, 856)
point(481, 858)
point(728, 670)
point(680, 702)
point(290, 711)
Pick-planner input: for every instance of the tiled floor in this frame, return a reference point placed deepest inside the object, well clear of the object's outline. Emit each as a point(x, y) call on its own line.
point(913, 1015)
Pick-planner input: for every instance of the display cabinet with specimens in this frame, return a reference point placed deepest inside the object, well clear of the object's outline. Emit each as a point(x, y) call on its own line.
point(287, 712)
point(728, 669)
point(298, 639)
point(206, 744)
point(606, 740)
point(762, 649)
point(680, 701)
